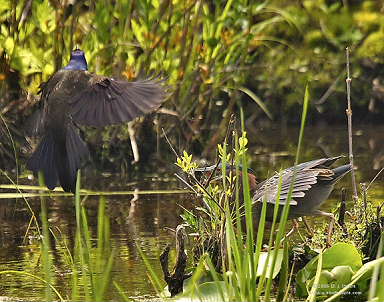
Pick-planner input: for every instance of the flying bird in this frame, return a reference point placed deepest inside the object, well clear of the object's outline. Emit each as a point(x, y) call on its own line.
point(75, 96)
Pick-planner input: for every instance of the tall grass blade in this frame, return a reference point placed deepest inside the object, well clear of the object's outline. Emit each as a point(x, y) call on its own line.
point(156, 282)
point(316, 282)
point(285, 213)
point(46, 243)
point(284, 274)
point(35, 277)
point(374, 288)
point(303, 121)
point(121, 292)
point(257, 100)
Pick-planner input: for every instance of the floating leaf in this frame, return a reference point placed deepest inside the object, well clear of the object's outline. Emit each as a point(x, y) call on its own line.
point(340, 255)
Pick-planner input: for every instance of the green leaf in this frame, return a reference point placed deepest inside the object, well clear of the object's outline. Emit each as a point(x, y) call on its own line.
point(257, 100)
point(9, 44)
point(263, 262)
point(205, 292)
point(45, 16)
point(363, 274)
point(138, 32)
point(341, 254)
point(5, 5)
point(317, 279)
point(25, 61)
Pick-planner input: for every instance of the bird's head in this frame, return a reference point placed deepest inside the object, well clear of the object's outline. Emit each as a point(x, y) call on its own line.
point(77, 61)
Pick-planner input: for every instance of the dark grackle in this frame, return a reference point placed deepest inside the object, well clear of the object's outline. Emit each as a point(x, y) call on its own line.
point(75, 96)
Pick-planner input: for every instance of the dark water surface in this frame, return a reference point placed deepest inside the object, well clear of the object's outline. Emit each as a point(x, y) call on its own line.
point(144, 222)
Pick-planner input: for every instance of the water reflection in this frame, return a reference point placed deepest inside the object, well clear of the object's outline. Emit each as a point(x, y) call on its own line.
point(144, 220)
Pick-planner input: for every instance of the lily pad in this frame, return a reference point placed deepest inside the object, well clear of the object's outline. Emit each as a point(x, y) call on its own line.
point(341, 260)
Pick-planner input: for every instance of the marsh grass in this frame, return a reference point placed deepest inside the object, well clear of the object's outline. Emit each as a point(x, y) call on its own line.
point(241, 271)
point(90, 264)
point(244, 282)
point(201, 47)
point(230, 250)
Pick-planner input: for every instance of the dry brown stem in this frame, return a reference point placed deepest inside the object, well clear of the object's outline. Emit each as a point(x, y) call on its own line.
point(348, 81)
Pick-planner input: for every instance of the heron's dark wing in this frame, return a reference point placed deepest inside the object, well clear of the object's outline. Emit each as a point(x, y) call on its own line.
point(105, 101)
point(321, 163)
point(307, 174)
point(304, 180)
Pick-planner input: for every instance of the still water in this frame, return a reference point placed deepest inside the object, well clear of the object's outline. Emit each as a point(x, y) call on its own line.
point(147, 220)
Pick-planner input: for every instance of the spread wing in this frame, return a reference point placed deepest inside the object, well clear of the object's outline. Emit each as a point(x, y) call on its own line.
point(304, 180)
point(105, 101)
point(317, 163)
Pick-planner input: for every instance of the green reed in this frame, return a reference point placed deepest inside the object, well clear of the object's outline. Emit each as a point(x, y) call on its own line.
point(243, 252)
point(95, 262)
point(244, 272)
point(90, 264)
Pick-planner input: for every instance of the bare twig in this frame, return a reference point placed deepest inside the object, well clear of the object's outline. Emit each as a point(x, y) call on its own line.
point(343, 209)
point(349, 117)
point(186, 183)
point(376, 176)
point(169, 143)
point(365, 201)
point(329, 91)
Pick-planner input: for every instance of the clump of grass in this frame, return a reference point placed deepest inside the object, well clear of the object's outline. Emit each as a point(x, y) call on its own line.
point(230, 247)
point(225, 225)
point(90, 265)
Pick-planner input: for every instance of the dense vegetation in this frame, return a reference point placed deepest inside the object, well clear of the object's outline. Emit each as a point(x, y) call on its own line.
point(216, 55)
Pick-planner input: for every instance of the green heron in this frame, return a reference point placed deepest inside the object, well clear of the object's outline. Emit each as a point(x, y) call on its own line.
point(313, 183)
point(75, 96)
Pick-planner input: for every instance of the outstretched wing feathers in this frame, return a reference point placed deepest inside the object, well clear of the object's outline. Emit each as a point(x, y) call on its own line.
point(107, 101)
point(307, 175)
point(304, 179)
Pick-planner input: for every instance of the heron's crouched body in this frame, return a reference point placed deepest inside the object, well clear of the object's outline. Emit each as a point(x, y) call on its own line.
point(305, 186)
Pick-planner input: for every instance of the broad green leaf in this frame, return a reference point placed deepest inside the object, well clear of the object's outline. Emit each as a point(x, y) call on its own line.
point(205, 292)
point(263, 263)
point(5, 5)
point(363, 274)
point(26, 62)
point(341, 254)
point(45, 15)
point(138, 32)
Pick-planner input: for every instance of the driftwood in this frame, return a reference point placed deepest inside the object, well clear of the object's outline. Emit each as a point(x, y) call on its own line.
point(176, 279)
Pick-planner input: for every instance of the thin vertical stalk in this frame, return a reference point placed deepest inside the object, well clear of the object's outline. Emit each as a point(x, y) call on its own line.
point(316, 282)
point(46, 244)
point(375, 282)
point(284, 215)
point(13, 147)
point(348, 81)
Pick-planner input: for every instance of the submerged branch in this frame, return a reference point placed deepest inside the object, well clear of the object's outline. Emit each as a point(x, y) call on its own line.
point(175, 279)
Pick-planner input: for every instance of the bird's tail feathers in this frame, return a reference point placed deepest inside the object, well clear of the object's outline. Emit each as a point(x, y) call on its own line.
point(77, 150)
point(43, 159)
point(70, 158)
point(60, 160)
